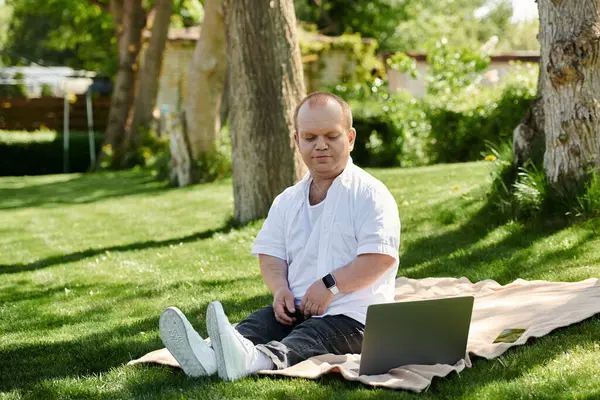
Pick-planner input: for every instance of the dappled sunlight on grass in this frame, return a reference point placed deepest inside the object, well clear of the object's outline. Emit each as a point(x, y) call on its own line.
point(88, 262)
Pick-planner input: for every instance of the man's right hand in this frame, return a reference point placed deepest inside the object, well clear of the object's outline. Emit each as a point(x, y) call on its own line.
point(284, 300)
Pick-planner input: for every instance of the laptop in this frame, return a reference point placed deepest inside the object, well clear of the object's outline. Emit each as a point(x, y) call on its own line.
point(424, 332)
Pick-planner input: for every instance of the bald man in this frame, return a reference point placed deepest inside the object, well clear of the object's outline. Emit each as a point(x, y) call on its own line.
point(327, 250)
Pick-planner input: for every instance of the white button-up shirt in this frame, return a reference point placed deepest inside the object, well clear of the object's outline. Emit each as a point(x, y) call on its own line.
point(359, 216)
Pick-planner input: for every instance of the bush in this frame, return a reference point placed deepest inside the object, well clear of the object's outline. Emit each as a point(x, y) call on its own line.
point(524, 193)
point(530, 190)
point(589, 202)
point(391, 128)
point(462, 127)
point(399, 130)
point(38, 153)
point(47, 90)
point(16, 89)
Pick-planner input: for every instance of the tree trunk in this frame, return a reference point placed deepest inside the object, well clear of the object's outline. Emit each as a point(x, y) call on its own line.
point(570, 43)
point(129, 18)
point(224, 109)
point(528, 136)
point(145, 99)
point(266, 84)
point(181, 163)
point(207, 79)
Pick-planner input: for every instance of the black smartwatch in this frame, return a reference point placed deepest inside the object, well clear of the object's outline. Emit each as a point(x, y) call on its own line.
point(330, 283)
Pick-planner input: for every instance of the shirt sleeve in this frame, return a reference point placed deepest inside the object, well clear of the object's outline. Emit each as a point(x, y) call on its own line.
point(271, 238)
point(378, 223)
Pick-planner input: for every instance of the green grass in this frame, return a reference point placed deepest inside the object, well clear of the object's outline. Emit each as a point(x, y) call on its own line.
point(88, 262)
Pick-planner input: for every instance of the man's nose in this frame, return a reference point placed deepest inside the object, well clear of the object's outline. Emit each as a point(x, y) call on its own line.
point(321, 144)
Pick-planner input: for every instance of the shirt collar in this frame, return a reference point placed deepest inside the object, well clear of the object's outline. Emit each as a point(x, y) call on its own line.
point(343, 178)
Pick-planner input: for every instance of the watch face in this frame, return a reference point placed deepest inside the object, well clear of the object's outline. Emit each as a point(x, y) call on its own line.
point(328, 281)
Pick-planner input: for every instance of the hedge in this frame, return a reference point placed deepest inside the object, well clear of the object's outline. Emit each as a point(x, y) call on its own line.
point(25, 153)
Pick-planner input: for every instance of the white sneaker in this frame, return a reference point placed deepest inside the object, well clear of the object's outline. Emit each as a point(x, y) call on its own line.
point(194, 355)
point(235, 354)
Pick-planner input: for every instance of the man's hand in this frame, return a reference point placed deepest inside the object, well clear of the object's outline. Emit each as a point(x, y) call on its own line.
point(316, 299)
point(284, 300)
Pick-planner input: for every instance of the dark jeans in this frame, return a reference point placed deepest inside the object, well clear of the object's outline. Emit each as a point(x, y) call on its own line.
point(288, 345)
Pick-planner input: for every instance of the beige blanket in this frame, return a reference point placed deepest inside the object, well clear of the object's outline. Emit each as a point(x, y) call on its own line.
point(537, 306)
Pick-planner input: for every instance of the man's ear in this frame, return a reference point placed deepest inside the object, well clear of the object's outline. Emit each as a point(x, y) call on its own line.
point(352, 138)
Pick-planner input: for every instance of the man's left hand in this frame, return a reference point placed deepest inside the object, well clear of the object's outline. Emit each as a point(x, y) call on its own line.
point(316, 299)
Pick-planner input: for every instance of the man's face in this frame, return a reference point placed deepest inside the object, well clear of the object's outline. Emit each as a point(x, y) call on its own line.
point(323, 139)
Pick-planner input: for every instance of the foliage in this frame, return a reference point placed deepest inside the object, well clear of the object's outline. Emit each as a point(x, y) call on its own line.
point(361, 61)
point(41, 152)
point(61, 32)
point(520, 36)
point(375, 19)
point(409, 25)
point(464, 122)
point(524, 193)
point(14, 89)
point(457, 124)
point(404, 63)
point(588, 203)
point(503, 175)
point(466, 23)
point(5, 17)
point(46, 90)
point(452, 69)
point(391, 128)
point(216, 164)
point(530, 190)
point(187, 13)
point(154, 155)
point(78, 34)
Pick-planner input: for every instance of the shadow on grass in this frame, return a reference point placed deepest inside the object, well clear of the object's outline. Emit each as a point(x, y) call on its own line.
point(30, 363)
point(450, 253)
point(83, 254)
point(102, 304)
point(82, 189)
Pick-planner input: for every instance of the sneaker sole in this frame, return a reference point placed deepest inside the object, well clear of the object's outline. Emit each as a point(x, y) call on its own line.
point(214, 332)
point(174, 337)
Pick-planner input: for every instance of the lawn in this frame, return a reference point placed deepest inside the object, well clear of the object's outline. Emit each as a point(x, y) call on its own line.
point(88, 262)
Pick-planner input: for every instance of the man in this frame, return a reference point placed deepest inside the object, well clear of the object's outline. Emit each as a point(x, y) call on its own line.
point(327, 250)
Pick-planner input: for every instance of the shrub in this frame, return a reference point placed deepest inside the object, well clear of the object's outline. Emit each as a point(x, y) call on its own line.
point(41, 152)
point(391, 128)
point(461, 127)
point(588, 203)
point(530, 190)
point(47, 90)
point(452, 69)
point(16, 89)
point(399, 130)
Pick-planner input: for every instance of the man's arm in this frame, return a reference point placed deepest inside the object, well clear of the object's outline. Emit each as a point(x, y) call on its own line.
point(362, 272)
point(274, 272)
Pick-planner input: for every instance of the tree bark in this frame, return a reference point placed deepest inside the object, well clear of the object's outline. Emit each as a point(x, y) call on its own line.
point(266, 84)
point(129, 19)
point(570, 43)
point(224, 109)
point(181, 162)
point(528, 136)
point(147, 88)
point(207, 79)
